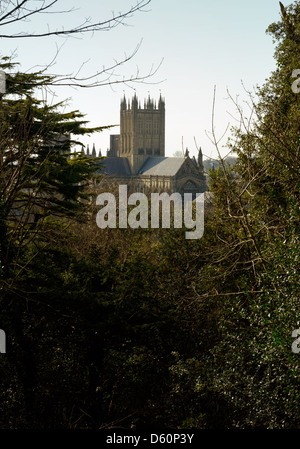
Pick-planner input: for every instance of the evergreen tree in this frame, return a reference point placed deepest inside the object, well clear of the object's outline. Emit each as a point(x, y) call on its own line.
point(43, 180)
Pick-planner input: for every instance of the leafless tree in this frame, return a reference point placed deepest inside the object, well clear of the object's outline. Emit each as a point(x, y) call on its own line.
point(15, 11)
point(22, 12)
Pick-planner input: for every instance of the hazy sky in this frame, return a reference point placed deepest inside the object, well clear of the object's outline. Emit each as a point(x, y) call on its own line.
point(202, 44)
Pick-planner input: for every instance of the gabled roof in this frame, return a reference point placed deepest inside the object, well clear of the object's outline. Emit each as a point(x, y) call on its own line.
point(161, 166)
point(118, 166)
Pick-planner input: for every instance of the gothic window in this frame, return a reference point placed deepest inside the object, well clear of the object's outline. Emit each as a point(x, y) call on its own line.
point(148, 127)
point(157, 151)
point(141, 150)
point(189, 186)
point(149, 151)
point(140, 127)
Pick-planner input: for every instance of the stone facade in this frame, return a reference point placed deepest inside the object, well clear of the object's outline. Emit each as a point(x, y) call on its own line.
point(137, 155)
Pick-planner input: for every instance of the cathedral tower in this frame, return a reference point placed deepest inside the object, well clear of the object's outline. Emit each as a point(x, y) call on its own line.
point(142, 131)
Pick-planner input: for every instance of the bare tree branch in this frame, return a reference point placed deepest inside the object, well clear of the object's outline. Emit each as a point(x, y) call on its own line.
point(20, 12)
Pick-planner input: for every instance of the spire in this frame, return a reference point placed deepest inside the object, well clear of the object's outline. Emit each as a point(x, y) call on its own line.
point(134, 101)
point(200, 160)
point(186, 153)
point(161, 103)
point(87, 150)
point(149, 103)
point(123, 102)
point(94, 151)
point(99, 154)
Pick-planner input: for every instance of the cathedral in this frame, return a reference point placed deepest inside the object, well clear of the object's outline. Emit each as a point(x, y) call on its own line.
point(137, 155)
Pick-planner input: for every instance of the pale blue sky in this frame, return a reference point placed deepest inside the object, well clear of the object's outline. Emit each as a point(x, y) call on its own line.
point(202, 44)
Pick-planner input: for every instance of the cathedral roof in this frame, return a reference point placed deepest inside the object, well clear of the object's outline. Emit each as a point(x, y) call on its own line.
point(118, 166)
point(162, 166)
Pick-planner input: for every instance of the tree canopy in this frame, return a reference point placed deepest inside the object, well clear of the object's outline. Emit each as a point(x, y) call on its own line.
point(136, 328)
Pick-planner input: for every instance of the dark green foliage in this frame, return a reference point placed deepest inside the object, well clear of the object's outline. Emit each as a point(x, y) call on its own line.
point(43, 181)
point(138, 328)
